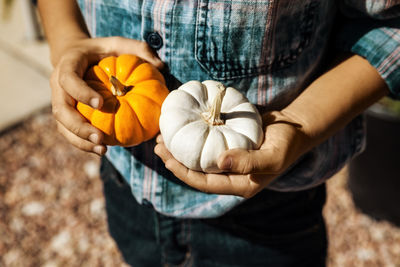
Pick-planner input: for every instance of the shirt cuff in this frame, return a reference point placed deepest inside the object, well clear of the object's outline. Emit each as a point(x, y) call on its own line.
point(380, 45)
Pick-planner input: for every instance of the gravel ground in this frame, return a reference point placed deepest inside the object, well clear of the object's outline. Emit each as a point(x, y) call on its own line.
point(52, 209)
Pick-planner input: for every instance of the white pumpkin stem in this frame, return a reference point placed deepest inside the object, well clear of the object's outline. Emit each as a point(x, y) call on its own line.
point(213, 116)
point(117, 88)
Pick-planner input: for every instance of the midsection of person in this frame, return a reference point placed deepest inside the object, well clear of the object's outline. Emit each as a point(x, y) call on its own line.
point(269, 50)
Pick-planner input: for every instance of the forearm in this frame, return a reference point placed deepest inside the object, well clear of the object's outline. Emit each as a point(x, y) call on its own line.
point(62, 22)
point(335, 98)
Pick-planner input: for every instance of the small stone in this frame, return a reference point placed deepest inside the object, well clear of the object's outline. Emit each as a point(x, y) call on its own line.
point(91, 169)
point(34, 161)
point(377, 233)
point(365, 254)
point(83, 244)
point(41, 119)
point(396, 249)
point(33, 208)
point(22, 174)
point(17, 225)
point(24, 190)
point(97, 207)
point(11, 258)
point(60, 241)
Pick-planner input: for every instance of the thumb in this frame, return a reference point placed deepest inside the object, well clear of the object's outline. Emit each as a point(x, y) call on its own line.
point(141, 49)
point(248, 161)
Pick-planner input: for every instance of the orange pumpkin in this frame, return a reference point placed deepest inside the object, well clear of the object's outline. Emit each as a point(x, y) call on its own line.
point(133, 92)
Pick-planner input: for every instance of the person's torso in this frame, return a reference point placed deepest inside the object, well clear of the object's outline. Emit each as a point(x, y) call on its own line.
point(268, 50)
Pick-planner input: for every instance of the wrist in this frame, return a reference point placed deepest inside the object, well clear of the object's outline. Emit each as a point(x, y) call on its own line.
point(59, 47)
point(62, 23)
point(300, 141)
point(335, 98)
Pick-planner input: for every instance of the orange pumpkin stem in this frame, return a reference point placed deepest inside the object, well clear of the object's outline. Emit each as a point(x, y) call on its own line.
point(213, 116)
point(118, 88)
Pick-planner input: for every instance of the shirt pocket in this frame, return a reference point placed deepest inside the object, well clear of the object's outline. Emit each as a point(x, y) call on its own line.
point(243, 39)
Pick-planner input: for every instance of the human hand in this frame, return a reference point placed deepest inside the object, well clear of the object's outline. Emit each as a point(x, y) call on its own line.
point(246, 172)
point(71, 63)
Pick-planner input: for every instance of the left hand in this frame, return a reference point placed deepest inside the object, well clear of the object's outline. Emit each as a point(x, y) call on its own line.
point(246, 172)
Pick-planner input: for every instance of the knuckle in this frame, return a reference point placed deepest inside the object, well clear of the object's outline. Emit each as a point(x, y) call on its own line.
point(63, 78)
point(169, 164)
point(77, 130)
point(81, 96)
point(56, 111)
point(279, 165)
point(251, 189)
point(248, 194)
point(157, 149)
point(248, 165)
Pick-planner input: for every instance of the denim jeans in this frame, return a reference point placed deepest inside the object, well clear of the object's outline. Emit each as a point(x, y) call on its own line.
point(270, 229)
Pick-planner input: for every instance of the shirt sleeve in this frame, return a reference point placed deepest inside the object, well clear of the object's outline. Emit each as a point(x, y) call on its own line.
point(371, 29)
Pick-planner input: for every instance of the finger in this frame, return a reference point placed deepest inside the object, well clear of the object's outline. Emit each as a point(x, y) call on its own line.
point(161, 150)
point(250, 161)
point(65, 113)
point(72, 120)
point(263, 179)
point(159, 139)
point(80, 143)
point(69, 78)
point(177, 168)
point(234, 184)
point(123, 45)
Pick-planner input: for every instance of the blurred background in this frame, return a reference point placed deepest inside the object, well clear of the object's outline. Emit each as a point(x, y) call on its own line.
point(51, 204)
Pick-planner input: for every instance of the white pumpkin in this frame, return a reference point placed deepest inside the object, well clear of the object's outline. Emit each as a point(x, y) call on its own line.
point(199, 121)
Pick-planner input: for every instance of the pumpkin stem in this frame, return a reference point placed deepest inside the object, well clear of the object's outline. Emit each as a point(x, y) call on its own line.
point(213, 117)
point(117, 88)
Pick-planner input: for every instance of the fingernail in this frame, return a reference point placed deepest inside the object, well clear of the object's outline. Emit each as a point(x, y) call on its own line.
point(98, 150)
point(94, 138)
point(226, 164)
point(94, 103)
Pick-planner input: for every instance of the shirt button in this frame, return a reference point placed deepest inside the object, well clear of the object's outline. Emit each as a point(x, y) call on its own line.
point(154, 40)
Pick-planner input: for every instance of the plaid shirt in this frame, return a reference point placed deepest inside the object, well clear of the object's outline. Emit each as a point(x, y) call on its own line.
point(270, 51)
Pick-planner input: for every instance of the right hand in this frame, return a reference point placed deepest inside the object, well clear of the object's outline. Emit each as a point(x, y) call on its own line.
point(68, 87)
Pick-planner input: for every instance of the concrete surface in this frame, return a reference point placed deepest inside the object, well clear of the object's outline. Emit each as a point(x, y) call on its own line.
point(24, 70)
